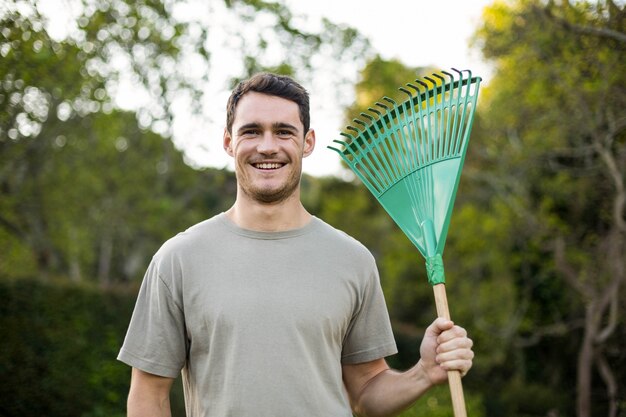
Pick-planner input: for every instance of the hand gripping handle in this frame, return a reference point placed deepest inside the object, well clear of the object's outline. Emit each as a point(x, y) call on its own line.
point(454, 377)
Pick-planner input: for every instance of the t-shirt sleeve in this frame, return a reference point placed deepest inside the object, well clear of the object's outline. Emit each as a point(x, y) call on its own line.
point(370, 335)
point(156, 338)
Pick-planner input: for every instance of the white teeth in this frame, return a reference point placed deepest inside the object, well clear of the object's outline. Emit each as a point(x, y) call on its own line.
point(268, 166)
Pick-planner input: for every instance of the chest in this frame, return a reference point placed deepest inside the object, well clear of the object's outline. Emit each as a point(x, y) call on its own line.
point(270, 292)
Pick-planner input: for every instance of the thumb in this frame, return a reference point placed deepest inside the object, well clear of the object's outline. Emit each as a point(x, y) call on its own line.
point(431, 337)
point(438, 326)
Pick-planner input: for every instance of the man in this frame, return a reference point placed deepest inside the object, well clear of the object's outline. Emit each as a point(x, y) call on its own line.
point(266, 309)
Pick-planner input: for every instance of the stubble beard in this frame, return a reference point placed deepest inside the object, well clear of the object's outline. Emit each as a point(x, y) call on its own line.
point(268, 195)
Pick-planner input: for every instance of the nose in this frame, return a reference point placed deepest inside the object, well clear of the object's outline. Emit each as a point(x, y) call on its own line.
point(268, 144)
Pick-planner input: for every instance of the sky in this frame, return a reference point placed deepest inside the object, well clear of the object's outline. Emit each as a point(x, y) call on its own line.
point(433, 33)
point(417, 32)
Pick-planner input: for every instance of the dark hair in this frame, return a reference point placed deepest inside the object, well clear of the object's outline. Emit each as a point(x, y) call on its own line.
point(273, 85)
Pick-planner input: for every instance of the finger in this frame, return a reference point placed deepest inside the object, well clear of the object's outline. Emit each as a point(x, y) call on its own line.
point(454, 344)
point(452, 355)
point(461, 365)
point(460, 360)
point(451, 333)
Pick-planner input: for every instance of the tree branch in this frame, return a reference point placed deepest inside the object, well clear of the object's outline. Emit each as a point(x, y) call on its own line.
point(569, 273)
point(556, 329)
point(591, 30)
point(612, 291)
point(619, 203)
point(601, 32)
point(609, 380)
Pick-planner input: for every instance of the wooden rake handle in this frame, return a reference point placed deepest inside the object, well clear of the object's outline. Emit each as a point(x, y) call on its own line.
point(454, 377)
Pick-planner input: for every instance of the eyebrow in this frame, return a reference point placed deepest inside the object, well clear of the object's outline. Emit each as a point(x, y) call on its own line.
point(282, 125)
point(249, 126)
point(275, 126)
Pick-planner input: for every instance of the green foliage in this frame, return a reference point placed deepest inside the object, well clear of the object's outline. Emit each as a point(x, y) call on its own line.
point(106, 195)
point(553, 158)
point(87, 190)
point(545, 171)
point(304, 49)
point(76, 176)
point(59, 346)
point(381, 78)
point(536, 246)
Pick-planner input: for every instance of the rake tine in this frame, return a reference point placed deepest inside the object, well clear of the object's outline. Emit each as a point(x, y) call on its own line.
point(373, 157)
point(454, 112)
point(417, 117)
point(464, 115)
point(436, 116)
point(415, 188)
point(360, 169)
point(470, 94)
point(400, 144)
point(429, 129)
point(463, 100)
point(389, 168)
point(421, 138)
point(357, 142)
point(391, 138)
point(433, 114)
point(410, 128)
point(443, 106)
point(373, 110)
point(443, 93)
point(382, 105)
point(384, 119)
point(356, 160)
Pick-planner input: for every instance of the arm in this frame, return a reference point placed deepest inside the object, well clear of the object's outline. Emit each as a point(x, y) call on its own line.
point(149, 395)
point(376, 390)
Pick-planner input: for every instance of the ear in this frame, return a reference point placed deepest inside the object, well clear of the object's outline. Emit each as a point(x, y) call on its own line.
point(309, 143)
point(228, 142)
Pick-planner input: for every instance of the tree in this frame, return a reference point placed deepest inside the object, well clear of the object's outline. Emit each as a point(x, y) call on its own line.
point(86, 186)
point(381, 78)
point(557, 157)
point(74, 171)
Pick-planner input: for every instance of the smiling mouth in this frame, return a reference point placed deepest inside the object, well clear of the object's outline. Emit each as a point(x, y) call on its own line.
point(268, 165)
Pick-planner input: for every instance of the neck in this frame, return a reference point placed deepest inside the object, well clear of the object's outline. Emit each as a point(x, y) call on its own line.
point(268, 217)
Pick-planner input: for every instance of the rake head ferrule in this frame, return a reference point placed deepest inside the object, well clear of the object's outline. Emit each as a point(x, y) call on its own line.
point(434, 270)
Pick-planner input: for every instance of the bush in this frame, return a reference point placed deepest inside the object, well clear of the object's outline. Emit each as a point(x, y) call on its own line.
point(58, 350)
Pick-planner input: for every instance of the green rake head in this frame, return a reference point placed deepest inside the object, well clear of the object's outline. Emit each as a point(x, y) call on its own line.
point(410, 154)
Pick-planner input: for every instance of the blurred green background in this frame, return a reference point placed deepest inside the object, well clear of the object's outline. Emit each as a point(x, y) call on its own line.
point(535, 258)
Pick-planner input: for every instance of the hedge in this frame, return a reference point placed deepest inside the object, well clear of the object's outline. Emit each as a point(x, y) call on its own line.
point(58, 351)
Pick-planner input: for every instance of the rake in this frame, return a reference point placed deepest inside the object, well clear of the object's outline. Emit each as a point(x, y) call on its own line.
point(410, 156)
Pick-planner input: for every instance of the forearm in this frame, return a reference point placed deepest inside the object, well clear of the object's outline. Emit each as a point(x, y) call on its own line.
point(377, 391)
point(391, 392)
point(149, 395)
point(140, 405)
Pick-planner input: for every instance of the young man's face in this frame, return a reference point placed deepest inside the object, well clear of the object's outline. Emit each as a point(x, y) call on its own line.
point(268, 144)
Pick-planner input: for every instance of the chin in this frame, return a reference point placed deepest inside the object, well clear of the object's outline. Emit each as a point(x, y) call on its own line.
point(271, 196)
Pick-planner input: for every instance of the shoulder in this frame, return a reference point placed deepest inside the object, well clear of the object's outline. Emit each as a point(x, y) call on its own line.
point(337, 240)
point(193, 240)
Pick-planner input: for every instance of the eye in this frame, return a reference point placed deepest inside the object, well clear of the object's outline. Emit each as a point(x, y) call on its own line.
point(284, 133)
point(250, 132)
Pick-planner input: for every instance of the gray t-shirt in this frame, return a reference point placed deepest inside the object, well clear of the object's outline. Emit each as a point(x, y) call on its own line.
point(259, 323)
